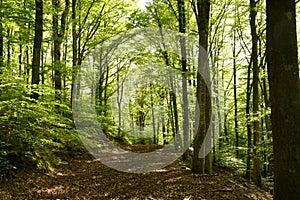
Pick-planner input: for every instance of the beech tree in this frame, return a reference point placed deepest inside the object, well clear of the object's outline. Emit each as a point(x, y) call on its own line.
point(255, 69)
point(1, 40)
point(199, 165)
point(283, 74)
point(38, 37)
point(58, 36)
point(182, 29)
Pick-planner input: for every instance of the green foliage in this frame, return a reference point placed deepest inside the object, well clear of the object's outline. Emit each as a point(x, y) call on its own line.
point(229, 161)
point(31, 131)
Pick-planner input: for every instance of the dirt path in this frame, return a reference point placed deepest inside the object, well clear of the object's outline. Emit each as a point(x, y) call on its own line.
point(87, 178)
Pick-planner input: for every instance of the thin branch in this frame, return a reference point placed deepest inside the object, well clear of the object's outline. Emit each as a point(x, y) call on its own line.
point(86, 16)
point(172, 8)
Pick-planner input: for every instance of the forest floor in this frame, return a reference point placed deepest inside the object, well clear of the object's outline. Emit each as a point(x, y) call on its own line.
point(87, 178)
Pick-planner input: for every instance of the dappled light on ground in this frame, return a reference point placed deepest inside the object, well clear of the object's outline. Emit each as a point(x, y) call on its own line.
point(87, 178)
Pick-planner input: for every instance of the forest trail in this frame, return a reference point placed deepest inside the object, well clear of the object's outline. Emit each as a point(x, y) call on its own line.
point(87, 178)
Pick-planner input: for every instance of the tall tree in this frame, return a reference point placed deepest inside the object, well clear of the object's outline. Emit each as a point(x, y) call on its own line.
point(1, 39)
point(74, 45)
point(234, 55)
point(283, 75)
point(256, 121)
point(38, 37)
point(58, 36)
point(1, 44)
point(182, 29)
point(201, 10)
point(249, 129)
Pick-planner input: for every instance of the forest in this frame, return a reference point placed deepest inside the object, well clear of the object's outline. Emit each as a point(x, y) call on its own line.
point(149, 99)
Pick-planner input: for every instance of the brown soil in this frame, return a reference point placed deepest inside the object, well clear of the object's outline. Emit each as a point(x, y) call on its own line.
point(87, 178)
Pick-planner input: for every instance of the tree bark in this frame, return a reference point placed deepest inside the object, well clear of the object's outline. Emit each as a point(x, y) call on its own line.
point(20, 59)
point(199, 165)
point(249, 131)
point(120, 88)
point(256, 121)
point(283, 75)
point(74, 46)
point(182, 29)
point(38, 37)
point(58, 35)
point(1, 44)
point(8, 46)
point(236, 128)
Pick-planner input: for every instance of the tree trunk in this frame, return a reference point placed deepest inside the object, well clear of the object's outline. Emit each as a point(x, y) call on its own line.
point(256, 121)
point(20, 59)
point(236, 128)
point(1, 44)
point(105, 97)
point(56, 50)
point(119, 101)
point(74, 46)
point(269, 151)
point(27, 71)
point(153, 119)
point(182, 29)
point(58, 35)
point(249, 131)
point(177, 138)
point(8, 47)
point(283, 74)
point(199, 165)
point(38, 37)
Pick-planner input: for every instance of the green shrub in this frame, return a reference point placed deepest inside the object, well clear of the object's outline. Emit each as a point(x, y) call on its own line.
point(32, 131)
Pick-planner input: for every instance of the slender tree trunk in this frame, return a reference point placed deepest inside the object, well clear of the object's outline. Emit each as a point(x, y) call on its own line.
point(56, 50)
point(171, 117)
point(221, 125)
point(201, 10)
point(42, 67)
point(182, 29)
point(27, 70)
point(120, 97)
point(283, 74)
point(173, 100)
point(65, 62)
point(256, 121)
point(249, 131)
point(74, 46)
point(264, 146)
point(1, 47)
point(20, 59)
point(176, 121)
point(8, 46)
point(216, 89)
point(38, 37)
point(236, 128)
point(269, 151)
point(105, 98)
point(153, 118)
point(58, 35)
point(1, 42)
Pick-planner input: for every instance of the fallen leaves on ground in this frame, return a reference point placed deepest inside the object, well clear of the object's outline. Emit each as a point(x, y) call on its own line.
point(87, 178)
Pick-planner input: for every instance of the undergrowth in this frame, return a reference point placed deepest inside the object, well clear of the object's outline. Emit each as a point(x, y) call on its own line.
point(32, 131)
